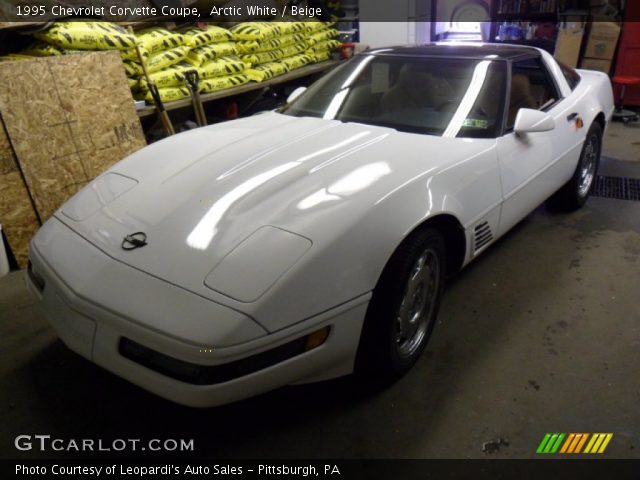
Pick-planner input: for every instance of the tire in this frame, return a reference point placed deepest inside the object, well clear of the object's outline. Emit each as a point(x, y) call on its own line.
point(576, 191)
point(410, 288)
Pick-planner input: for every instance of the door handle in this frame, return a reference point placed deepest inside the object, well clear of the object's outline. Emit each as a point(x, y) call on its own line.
point(572, 117)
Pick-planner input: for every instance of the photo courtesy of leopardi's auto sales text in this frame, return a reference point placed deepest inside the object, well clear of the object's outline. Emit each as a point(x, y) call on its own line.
point(336, 239)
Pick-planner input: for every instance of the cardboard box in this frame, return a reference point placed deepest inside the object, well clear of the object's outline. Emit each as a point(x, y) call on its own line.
point(603, 40)
point(568, 46)
point(598, 64)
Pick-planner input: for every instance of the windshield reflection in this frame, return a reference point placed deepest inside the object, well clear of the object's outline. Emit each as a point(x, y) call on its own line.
point(430, 95)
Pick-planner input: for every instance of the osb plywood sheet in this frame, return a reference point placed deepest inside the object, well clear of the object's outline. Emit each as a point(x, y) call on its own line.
point(69, 118)
point(17, 216)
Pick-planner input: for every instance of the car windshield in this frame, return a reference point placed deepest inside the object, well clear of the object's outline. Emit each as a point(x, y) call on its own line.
point(451, 97)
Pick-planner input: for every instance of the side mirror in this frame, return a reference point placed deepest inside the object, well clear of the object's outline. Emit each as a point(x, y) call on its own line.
point(296, 93)
point(530, 121)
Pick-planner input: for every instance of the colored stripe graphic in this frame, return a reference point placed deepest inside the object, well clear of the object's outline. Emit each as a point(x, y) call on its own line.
point(581, 443)
point(550, 443)
point(598, 443)
point(568, 442)
point(543, 443)
point(573, 443)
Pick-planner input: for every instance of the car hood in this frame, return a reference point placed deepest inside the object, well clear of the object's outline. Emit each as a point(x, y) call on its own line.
point(198, 195)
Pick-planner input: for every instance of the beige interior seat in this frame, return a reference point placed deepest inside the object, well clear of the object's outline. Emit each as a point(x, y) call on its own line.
point(521, 97)
point(416, 88)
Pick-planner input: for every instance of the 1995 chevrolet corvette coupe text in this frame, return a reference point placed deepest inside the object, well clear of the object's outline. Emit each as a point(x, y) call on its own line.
point(312, 242)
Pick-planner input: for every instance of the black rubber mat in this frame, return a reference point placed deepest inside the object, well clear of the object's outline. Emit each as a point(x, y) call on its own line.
point(621, 188)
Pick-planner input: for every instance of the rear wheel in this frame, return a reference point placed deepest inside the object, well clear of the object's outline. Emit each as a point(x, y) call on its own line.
point(574, 193)
point(403, 309)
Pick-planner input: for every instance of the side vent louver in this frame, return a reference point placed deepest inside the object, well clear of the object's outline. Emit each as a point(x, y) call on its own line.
point(482, 236)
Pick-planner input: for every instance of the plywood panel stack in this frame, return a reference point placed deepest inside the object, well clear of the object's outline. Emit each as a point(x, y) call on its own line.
point(66, 127)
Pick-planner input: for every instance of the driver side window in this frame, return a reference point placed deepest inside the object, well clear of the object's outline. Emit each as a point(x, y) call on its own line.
point(531, 87)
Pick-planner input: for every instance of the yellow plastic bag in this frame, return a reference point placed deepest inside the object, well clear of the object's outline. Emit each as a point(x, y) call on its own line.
point(162, 60)
point(325, 45)
point(297, 61)
point(221, 67)
point(255, 31)
point(41, 49)
point(132, 54)
point(88, 36)
point(196, 37)
point(247, 47)
point(249, 59)
point(313, 26)
point(266, 71)
point(322, 36)
point(274, 55)
point(13, 57)
point(266, 57)
point(132, 69)
point(321, 56)
point(289, 28)
point(279, 42)
point(294, 49)
point(174, 76)
point(206, 53)
point(222, 83)
point(156, 39)
point(170, 94)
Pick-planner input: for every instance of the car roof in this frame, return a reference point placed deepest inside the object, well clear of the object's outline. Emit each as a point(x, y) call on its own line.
point(461, 50)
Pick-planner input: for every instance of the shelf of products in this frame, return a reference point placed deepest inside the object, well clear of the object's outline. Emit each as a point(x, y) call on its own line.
point(230, 92)
point(526, 7)
point(518, 20)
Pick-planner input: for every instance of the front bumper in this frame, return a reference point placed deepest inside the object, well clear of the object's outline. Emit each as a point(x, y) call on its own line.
point(85, 301)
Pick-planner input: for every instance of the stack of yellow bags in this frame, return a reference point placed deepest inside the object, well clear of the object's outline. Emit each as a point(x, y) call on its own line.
point(275, 48)
point(263, 44)
point(164, 53)
point(168, 55)
point(64, 38)
point(223, 58)
point(214, 54)
point(35, 50)
point(321, 40)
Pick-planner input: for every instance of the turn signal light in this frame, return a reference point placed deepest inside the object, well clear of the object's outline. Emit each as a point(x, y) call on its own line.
point(316, 339)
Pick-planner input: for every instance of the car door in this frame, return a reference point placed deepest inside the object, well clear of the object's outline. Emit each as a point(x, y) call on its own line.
point(534, 165)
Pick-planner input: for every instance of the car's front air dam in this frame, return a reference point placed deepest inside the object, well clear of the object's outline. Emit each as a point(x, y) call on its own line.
point(90, 320)
point(104, 289)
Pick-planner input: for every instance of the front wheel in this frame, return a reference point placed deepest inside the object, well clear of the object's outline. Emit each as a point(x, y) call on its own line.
point(403, 309)
point(575, 192)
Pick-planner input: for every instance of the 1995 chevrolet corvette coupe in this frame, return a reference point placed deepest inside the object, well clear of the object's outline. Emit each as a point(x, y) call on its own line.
point(312, 242)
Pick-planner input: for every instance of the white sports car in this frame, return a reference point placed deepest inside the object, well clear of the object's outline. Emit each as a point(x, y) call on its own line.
point(312, 242)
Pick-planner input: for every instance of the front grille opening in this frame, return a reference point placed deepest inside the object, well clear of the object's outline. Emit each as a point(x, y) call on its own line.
point(620, 188)
point(213, 374)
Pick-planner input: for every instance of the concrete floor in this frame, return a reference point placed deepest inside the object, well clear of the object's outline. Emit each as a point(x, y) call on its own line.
point(541, 334)
point(622, 142)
